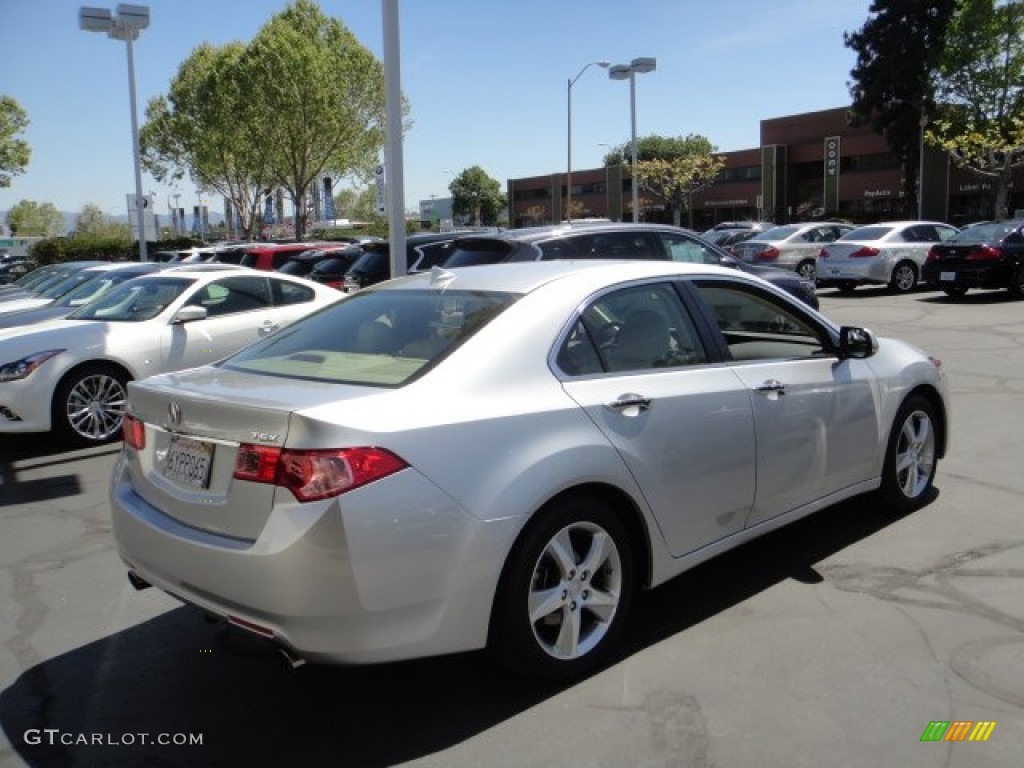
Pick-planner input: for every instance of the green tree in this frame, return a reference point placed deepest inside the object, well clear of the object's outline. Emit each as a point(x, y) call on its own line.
point(203, 129)
point(316, 101)
point(656, 147)
point(93, 222)
point(980, 83)
point(675, 180)
point(32, 219)
point(897, 50)
point(476, 196)
point(14, 152)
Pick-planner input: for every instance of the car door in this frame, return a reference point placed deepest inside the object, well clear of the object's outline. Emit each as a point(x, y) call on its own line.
point(815, 415)
point(239, 311)
point(636, 364)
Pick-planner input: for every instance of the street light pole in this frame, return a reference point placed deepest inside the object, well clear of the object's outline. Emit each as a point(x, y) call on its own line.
point(568, 143)
point(630, 71)
point(126, 25)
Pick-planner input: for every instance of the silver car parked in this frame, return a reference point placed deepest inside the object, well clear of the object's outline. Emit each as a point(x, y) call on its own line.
point(792, 246)
point(502, 456)
point(891, 253)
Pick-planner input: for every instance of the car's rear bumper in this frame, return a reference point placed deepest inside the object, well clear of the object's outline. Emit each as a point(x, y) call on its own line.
point(968, 275)
point(397, 573)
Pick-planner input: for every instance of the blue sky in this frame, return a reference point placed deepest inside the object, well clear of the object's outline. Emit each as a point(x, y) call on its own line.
point(486, 81)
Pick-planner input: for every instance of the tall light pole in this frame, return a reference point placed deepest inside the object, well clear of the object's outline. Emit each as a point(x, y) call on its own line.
point(124, 24)
point(630, 71)
point(568, 143)
point(920, 167)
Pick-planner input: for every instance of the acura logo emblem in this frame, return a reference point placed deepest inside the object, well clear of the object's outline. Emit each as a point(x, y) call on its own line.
point(174, 412)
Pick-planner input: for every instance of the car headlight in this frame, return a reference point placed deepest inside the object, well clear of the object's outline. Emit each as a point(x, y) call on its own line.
point(19, 369)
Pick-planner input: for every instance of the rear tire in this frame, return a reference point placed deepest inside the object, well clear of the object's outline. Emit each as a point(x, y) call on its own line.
point(565, 591)
point(1016, 286)
point(911, 456)
point(807, 269)
point(89, 404)
point(904, 277)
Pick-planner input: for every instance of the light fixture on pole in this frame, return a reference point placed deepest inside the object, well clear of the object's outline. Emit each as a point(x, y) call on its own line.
point(125, 23)
point(568, 171)
point(630, 71)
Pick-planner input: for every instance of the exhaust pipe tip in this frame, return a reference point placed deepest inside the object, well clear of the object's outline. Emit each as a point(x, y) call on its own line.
point(137, 581)
point(291, 660)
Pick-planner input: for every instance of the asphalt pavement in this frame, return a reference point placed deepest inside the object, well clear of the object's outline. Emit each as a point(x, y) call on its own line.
point(834, 642)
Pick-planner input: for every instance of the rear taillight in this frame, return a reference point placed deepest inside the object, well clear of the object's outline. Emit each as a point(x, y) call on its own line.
point(134, 432)
point(984, 253)
point(768, 254)
point(933, 255)
point(315, 474)
point(864, 253)
point(823, 254)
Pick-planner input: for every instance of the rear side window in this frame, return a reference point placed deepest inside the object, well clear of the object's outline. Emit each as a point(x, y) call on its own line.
point(617, 245)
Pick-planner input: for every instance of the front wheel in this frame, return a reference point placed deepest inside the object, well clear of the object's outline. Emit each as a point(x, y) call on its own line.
point(89, 405)
point(565, 591)
point(911, 456)
point(904, 277)
point(807, 269)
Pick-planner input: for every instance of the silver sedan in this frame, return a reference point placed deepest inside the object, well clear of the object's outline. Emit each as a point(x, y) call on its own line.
point(891, 253)
point(791, 246)
point(502, 456)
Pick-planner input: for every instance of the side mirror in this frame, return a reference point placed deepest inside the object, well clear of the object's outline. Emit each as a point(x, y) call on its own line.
point(856, 342)
point(188, 314)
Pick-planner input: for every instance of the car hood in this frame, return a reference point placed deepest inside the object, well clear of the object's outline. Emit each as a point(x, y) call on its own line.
point(25, 317)
point(79, 335)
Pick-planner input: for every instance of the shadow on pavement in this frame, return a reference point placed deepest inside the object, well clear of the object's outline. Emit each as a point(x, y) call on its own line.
point(20, 454)
point(176, 674)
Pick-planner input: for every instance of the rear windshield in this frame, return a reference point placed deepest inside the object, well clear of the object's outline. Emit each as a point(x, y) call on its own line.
point(333, 265)
point(867, 233)
point(472, 252)
point(992, 232)
point(374, 338)
point(778, 233)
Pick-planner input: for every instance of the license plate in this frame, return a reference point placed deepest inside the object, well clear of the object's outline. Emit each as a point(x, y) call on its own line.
point(189, 461)
point(947, 277)
point(835, 272)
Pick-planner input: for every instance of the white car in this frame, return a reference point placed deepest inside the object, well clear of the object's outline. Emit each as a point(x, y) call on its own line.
point(503, 455)
point(891, 253)
point(69, 375)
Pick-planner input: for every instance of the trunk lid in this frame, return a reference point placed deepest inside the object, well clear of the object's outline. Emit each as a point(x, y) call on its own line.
point(194, 423)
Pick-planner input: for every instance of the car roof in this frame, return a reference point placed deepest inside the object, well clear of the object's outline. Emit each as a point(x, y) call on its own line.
point(526, 276)
point(534, 234)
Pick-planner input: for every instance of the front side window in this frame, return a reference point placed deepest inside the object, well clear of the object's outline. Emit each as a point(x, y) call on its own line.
point(639, 328)
point(374, 338)
point(757, 326)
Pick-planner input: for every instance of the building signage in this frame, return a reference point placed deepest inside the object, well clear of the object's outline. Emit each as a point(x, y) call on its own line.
point(982, 186)
point(831, 174)
point(877, 193)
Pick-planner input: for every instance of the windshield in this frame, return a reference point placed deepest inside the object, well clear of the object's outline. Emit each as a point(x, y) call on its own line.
point(135, 300)
point(995, 231)
point(98, 286)
point(374, 338)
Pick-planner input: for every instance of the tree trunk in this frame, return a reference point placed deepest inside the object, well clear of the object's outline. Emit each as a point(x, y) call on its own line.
point(1001, 194)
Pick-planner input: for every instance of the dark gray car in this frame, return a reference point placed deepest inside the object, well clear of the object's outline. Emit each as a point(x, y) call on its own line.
point(614, 241)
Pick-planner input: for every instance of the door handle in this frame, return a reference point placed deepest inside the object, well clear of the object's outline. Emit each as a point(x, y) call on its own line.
point(630, 400)
point(771, 386)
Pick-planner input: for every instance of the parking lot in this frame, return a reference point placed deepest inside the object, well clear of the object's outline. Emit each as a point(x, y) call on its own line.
point(833, 642)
